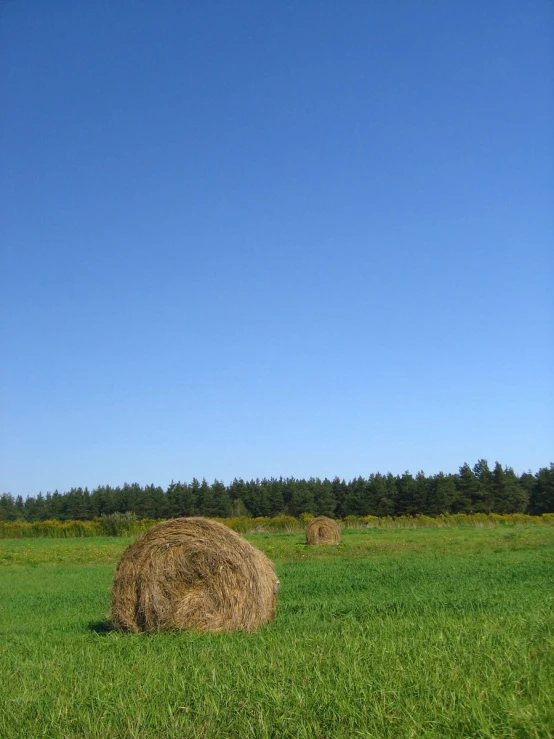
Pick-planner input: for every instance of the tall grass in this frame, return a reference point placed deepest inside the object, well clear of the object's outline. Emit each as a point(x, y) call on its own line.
point(448, 520)
point(115, 524)
point(126, 524)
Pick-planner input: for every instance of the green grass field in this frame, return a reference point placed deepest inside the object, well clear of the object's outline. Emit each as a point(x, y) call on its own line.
point(419, 633)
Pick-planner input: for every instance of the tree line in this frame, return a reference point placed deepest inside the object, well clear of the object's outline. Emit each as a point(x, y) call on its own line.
point(477, 489)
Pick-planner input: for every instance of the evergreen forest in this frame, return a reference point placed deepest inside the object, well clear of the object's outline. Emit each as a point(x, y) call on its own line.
point(471, 490)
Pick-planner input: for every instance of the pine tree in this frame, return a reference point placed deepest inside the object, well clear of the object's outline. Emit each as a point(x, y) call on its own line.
point(205, 501)
point(387, 505)
point(442, 491)
point(221, 502)
point(421, 493)
point(509, 497)
point(375, 492)
point(252, 497)
point(264, 500)
point(181, 500)
point(468, 496)
point(302, 499)
point(542, 496)
point(325, 503)
point(20, 508)
point(196, 495)
point(76, 505)
point(405, 495)
point(484, 475)
point(128, 498)
point(527, 483)
point(340, 491)
point(8, 511)
point(153, 503)
point(276, 500)
point(354, 503)
point(238, 494)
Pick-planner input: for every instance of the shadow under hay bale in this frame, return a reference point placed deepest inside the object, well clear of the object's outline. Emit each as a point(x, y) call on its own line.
point(193, 573)
point(322, 530)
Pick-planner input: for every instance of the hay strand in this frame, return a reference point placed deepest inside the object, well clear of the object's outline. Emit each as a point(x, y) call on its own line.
point(322, 530)
point(193, 573)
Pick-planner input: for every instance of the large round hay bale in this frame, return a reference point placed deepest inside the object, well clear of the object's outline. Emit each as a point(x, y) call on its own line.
point(322, 530)
point(192, 573)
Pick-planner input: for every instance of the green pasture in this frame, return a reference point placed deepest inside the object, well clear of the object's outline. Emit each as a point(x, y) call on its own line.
point(394, 633)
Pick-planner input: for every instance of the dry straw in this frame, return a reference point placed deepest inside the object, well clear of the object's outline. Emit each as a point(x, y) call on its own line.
point(322, 530)
point(192, 573)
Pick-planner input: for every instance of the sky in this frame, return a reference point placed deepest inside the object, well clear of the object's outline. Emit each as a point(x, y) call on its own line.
point(256, 239)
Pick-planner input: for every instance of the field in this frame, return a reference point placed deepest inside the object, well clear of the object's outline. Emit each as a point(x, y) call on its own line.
point(394, 633)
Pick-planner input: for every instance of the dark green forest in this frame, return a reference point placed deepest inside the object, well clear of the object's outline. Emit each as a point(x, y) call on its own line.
point(471, 490)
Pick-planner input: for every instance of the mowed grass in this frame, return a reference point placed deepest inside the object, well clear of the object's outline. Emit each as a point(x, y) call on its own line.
point(414, 633)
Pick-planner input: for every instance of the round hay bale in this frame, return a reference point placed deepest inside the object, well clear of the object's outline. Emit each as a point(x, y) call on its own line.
point(322, 530)
point(192, 573)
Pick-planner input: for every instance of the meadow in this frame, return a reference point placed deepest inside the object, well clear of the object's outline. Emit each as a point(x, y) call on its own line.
point(444, 632)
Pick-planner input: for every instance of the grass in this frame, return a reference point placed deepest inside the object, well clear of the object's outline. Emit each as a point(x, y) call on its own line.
point(420, 633)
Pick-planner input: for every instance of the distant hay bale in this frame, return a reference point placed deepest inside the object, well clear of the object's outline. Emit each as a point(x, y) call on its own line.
point(192, 573)
point(322, 530)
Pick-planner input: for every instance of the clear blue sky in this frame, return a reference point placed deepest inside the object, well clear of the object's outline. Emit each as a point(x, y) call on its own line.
point(288, 238)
